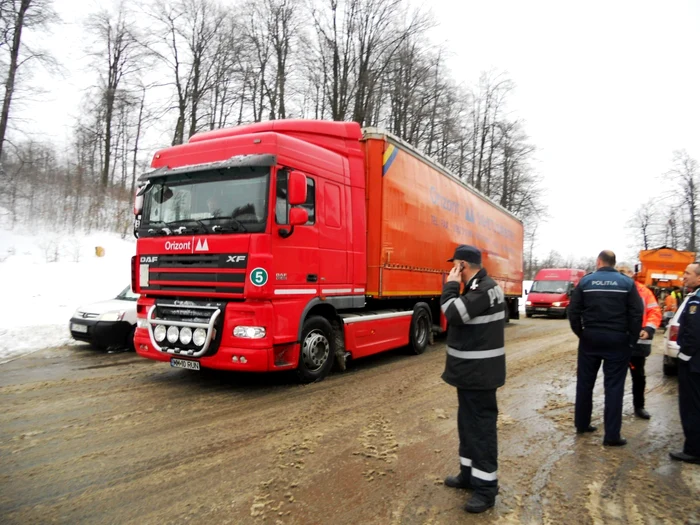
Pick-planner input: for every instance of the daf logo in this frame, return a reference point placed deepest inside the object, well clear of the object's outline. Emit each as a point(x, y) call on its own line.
point(235, 258)
point(149, 259)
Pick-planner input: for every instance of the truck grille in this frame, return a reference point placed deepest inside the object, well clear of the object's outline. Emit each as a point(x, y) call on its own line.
point(208, 274)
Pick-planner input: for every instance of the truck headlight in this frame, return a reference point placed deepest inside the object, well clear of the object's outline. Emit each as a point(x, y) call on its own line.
point(199, 336)
point(173, 334)
point(556, 304)
point(528, 303)
point(159, 333)
point(186, 335)
point(249, 332)
point(112, 316)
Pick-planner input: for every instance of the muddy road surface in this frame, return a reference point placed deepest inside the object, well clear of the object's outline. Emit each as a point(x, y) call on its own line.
point(92, 437)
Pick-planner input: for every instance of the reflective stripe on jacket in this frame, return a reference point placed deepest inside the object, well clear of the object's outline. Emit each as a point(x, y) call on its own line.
point(476, 333)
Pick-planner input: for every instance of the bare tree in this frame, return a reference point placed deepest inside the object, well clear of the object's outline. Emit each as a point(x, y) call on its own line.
point(671, 228)
point(185, 35)
point(17, 16)
point(335, 31)
point(118, 51)
point(685, 172)
point(642, 224)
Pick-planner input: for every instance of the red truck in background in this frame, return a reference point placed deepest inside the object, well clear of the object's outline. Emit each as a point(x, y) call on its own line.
point(292, 244)
point(550, 292)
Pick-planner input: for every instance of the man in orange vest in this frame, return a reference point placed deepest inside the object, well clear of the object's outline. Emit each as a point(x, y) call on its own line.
point(670, 307)
point(650, 323)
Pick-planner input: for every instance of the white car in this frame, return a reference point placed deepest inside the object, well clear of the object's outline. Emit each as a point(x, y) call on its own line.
point(108, 323)
point(671, 347)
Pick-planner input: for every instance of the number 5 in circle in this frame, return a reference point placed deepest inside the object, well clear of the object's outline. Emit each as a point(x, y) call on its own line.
point(258, 277)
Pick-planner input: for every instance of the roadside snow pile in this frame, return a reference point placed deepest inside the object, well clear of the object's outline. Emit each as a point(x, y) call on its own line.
point(45, 277)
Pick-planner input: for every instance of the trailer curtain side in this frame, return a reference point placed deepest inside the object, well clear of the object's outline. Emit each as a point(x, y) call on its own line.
point(418, 212)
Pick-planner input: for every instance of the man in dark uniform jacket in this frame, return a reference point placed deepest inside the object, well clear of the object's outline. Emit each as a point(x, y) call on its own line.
point(476, 366)
point(689, 368)
point(606, 314)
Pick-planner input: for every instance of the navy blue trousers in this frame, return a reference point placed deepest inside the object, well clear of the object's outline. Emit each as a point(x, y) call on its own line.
point(478, 439)
point(614, 354)
point(689, 405)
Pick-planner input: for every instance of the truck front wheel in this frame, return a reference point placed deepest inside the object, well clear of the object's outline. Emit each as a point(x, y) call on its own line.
point(317, 350)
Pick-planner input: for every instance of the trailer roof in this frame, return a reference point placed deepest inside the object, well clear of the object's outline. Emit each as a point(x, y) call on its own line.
point(376, 133)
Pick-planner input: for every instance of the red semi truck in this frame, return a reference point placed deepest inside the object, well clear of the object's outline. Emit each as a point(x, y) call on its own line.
point(291, 245)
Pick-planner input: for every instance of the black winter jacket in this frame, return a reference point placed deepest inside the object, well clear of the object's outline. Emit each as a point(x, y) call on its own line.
point(476, 357)
point(607, 302)
point(689, 332)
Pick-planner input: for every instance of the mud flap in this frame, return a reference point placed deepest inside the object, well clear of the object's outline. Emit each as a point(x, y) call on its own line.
point(340, 354)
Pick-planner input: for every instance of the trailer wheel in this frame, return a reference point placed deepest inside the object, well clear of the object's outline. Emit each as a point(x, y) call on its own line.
point(421, 324)
point(317, 350)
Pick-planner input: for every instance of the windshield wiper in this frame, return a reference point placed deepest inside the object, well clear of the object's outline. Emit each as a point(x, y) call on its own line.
point(158, 228)
point(183, 221)
point(231, 225)
point(239, 227)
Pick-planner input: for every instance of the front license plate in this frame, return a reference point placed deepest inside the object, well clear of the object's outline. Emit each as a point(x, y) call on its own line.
point(184, 363)
point(540, 309)
point(81, 328)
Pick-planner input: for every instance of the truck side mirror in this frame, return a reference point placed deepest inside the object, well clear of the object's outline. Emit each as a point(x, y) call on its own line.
point(296, 189)
point(298, 216)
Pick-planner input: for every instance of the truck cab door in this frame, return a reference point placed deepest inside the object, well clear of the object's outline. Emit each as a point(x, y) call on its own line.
point(295, 258)
point(333, 235)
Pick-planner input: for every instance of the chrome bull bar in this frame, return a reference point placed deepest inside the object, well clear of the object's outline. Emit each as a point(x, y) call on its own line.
point(190, 352)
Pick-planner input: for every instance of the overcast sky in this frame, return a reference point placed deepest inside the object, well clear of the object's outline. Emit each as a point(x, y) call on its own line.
point(607, 90)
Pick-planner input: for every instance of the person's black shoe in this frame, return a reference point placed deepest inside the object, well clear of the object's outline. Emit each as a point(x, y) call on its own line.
point(642, 413)
point(615, 442)
point(589, 428)
point(479, 503)
point(457, 482)
point(687, 458)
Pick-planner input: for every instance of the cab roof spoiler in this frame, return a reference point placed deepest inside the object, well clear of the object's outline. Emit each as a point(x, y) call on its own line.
point(237, 161)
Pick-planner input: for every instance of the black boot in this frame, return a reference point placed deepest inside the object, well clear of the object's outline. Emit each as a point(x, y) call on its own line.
point(479, 503)
point(642, 413)
point(457, 482)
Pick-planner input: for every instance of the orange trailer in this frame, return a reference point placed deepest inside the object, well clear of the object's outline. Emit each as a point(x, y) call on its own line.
point(418, 212)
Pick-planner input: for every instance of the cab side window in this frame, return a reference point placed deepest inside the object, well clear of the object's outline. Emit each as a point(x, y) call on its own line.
point(282, 205)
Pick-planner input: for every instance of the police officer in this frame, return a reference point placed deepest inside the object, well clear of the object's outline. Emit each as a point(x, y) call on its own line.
point(689, 368)
point(606, 314)
point(476, 366)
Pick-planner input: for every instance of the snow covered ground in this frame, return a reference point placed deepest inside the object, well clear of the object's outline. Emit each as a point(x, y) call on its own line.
point(45, 276)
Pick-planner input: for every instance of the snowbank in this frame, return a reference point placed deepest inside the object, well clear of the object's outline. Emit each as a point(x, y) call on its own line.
point(44, 277)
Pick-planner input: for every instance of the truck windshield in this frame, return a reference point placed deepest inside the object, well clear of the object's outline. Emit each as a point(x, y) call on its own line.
point(231, 200)
point(549, 286)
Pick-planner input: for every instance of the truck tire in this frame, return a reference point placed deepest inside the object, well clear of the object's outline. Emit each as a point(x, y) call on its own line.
point(528, 315)
point(419, 332)
point(317, 350)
